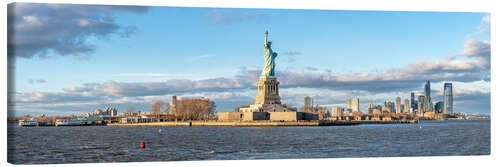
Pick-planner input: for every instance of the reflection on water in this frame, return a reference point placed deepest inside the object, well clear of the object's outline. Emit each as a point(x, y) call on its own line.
point(41, 145)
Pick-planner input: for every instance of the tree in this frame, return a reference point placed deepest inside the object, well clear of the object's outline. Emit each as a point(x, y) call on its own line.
point(156, 108)
point(194, 109)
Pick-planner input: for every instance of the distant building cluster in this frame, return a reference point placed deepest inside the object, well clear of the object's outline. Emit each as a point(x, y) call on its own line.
point(419, 106)
point(106, 114)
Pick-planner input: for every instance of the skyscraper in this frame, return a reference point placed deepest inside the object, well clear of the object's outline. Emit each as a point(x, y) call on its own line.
point(398, 105)
point(337, 111)
point(448, 99)
point(407, 107)
point(173, 105)
point(353, 104)
point(428, 89)
point(371, 107)
point(389, 107)
point(421, 105)
point(349, 105)
point(413, 103)
point(356, 105)
point(308, 101)
point(393, 108)
point(427, 103)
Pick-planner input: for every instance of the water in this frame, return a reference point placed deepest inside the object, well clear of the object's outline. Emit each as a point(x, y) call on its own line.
point(42, 145)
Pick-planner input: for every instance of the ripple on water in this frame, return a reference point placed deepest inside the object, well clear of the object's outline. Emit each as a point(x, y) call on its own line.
point(121, 144)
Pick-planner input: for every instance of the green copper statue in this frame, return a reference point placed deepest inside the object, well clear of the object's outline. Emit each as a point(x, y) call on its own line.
point(269, 56)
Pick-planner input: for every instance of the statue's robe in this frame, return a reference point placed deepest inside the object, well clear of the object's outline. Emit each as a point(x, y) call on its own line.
point(269, 56)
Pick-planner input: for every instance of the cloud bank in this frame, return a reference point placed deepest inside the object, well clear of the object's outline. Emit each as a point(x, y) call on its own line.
point(35, 29)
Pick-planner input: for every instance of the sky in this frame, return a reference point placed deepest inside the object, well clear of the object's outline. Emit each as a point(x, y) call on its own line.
point(72, 59)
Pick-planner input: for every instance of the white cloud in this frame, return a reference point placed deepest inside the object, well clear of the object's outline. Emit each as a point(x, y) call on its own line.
point(480, 51)
point(483, 28)
point(37, 29)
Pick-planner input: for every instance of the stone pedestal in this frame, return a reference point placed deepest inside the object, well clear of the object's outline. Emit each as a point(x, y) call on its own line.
point(267, 91)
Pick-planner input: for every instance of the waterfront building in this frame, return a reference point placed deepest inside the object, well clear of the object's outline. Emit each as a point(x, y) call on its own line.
point(349, 105)
point(393, 106)
point(398, 105)
point(376, 111)
point(107, 114)
point(406, 108)
point(322, 113)
point(346, 113)
point(308, 101)
point(98, 112)
point(111, 111)
point(308, 104)
point(130, 113)
point(337, 111)
point(385, 107)
point(428, 103)
point(421, 105)
point(448, 98)
point(413, 102)
point(439, 107)
point(371, 107)
point(173, 105)
point(353, 104)
point(388, 107)
point(428, 89)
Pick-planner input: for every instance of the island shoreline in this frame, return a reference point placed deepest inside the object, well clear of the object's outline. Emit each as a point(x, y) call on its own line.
point(265, 123)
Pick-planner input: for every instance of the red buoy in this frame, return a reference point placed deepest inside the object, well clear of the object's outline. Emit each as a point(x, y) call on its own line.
point(143, 145)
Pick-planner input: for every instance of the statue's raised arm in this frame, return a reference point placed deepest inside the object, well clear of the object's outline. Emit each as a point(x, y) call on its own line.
point(265, 42)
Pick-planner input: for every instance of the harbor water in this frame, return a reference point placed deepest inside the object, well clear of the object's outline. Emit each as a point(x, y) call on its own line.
point(86, 144)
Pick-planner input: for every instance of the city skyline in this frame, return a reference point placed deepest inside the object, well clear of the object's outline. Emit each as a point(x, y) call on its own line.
point(120, 63)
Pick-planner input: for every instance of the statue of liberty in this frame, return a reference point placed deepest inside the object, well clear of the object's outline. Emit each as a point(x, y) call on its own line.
point(269, 56)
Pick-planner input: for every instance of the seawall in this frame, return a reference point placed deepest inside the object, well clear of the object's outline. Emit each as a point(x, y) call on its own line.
point(262, 123)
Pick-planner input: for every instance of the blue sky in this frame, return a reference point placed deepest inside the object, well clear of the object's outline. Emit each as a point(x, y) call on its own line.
point(98, 56)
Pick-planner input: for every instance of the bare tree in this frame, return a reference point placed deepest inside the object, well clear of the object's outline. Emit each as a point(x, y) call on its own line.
point(195, 109)
point(156, 108)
